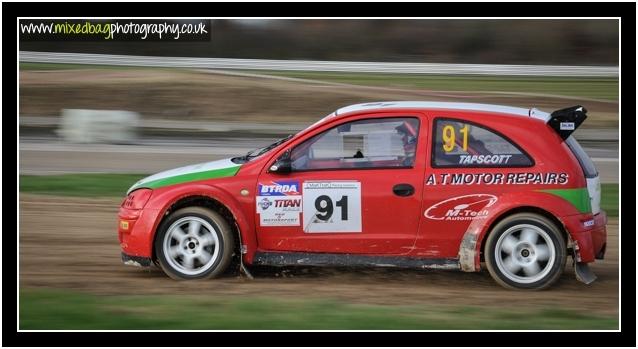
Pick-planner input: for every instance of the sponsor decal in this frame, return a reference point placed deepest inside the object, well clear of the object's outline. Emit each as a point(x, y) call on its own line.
point(498, 178)
point(484, 159)
point(279, 188)
point(332, 207)
point(462, 208)
point(279, 203)
point(279, 219)
point(279, 212)
point(288, 204)
point(570, 126)
point(264, 203)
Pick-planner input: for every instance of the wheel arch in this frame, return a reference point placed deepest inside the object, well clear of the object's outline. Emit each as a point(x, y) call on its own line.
point(199, 201)
point(217, 200)
point(472, 244)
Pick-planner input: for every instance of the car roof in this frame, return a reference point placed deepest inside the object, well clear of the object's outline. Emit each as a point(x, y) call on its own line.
point(501, 109)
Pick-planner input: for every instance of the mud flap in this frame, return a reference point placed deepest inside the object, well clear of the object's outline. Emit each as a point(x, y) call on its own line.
point(243, 270)
point(242, 251)
point(584, 273)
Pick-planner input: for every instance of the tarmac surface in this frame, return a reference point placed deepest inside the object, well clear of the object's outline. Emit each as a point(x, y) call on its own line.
point(42, 155)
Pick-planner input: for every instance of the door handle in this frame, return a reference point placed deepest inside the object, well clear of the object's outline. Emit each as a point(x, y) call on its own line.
point(403, 189)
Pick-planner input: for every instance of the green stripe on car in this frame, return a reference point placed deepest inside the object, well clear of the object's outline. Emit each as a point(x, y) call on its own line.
point(578, 197)
point(191, 177)
point(209, 170)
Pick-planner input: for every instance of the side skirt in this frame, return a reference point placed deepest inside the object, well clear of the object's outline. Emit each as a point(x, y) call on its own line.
point(350, 260)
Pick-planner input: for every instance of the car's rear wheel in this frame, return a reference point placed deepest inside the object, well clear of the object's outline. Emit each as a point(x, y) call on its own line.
point(194, 243)
point(525, 251)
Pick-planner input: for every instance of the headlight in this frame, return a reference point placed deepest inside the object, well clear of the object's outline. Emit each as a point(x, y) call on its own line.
point(137, 199)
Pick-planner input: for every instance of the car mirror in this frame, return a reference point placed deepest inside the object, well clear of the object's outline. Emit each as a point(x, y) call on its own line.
point(282, 165)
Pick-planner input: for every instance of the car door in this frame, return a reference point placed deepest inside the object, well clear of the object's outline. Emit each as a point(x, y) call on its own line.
point(467, 171)
point(355, 187)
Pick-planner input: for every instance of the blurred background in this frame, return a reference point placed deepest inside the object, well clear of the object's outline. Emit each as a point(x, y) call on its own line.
point(530, 41)
point(91, 124)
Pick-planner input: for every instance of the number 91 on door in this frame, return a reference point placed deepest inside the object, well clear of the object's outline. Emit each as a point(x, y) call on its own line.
point(332, 207)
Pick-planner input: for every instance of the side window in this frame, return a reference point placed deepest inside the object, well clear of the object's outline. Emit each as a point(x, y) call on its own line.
point(371, 143)
point(462, 144)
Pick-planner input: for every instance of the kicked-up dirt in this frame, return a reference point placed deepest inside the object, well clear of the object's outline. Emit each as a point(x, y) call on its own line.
point(71, 243)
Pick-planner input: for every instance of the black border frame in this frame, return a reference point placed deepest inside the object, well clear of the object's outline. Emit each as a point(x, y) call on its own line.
point(626, 337)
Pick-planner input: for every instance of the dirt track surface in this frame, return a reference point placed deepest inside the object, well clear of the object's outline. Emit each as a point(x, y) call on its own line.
point(71, 243)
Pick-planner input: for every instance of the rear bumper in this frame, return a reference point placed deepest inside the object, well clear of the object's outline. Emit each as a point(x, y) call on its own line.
point(589, 236)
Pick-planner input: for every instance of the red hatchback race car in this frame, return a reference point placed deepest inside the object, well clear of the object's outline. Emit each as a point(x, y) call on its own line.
point(401, 184)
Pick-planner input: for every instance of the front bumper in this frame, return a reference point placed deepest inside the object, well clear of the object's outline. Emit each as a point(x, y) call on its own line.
point(136, 231)
point(135, 260)
point(589, 239)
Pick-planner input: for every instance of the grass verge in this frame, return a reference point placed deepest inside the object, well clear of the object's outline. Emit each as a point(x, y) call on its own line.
point(591, 87)
point(598, 88)
point(85, 185)
point(115, 185)
point(24, 66)
point(609, 199)
point(62, 310)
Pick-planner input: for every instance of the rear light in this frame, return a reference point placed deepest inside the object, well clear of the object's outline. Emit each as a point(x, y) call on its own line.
point(137, 199)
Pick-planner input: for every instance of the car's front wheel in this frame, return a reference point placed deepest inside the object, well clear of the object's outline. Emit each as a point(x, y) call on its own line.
point(525, 251)
point(194, 243)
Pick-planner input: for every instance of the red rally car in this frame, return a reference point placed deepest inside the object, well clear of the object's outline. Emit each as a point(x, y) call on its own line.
point(402, 184)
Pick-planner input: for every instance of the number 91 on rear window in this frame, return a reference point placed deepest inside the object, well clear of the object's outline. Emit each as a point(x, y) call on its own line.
point(462, 144)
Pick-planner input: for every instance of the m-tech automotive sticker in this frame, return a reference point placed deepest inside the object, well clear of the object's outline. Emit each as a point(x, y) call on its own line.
point(498, 178)
point(332, 207)
point(462, 208)
point(279, 203)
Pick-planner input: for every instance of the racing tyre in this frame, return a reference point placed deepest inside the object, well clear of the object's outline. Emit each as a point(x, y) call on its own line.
point(194, 243)
point(525, 251)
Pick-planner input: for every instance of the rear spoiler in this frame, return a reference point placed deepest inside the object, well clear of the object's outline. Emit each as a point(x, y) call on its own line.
point(566, 121)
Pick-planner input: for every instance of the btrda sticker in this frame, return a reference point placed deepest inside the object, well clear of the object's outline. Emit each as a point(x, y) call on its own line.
point(279, 188)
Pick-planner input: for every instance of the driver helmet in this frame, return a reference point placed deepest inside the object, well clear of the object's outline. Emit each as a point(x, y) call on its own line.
point(408, 133)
